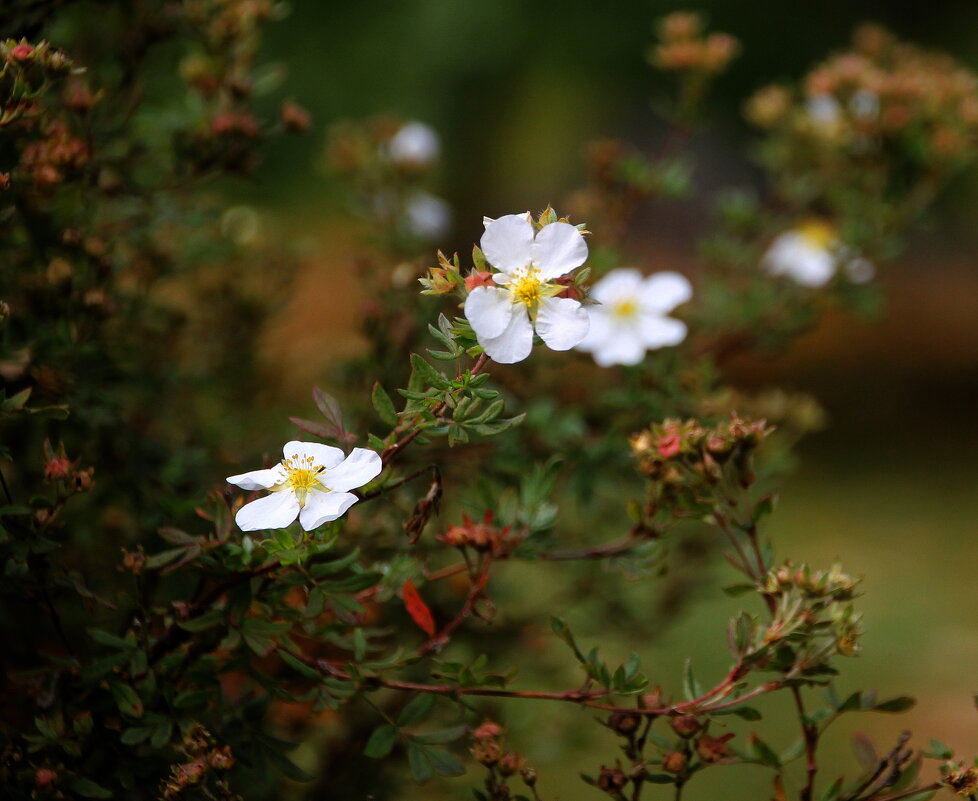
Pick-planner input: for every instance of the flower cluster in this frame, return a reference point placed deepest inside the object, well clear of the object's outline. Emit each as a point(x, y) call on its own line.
point(882, 89)
point(481, 536)
point(683, 46)
point(701, 448)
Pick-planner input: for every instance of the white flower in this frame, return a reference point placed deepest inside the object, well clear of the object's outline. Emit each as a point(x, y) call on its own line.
point(865, 104)
point(811, 253)
point(414, 145)
point(505, 316)
point(310, 483)
point(824, 113)
point(631, 317)
point(426, 216)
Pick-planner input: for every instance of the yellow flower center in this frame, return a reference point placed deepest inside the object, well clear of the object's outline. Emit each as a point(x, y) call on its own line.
point(624, 309)
point(302, 476)
point(817, 233)
point(527, 288)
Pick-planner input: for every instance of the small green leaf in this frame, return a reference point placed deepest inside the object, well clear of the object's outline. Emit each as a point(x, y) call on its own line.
point(298, 665)
point(417, 709)
point(127, 699)
point(445, 763)
point(383, 405)
point(426, 374)
point(136, 734)
point(86, 788)
point(422, 768)
point(381, 741)
point(899, 704)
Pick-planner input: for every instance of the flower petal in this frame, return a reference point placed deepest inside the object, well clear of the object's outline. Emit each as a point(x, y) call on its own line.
point(624, 283)
point(360, 467)
point(276, 510)
point(515, 343)
point(600, 328)
point(488, 309)
point(323, 507)
point(794, 257)
point(658, 332)
point(558, 249)
point(662, 292)
point(322, 455)
point(561, 322)
point(258, 479)
point(507, 242)
point(625, 348)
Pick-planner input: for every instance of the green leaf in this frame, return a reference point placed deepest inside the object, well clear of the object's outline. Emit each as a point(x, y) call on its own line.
point(110, 640)
point(417, 709)
point(381, 741)
point(86, 788)
point(298, 665)
point(137, 734)
point(383, 405)
point(427, 374)
point(832, 791)
point(443, 736)
point(127, 699)
point(202, 622)
point(691, 687)
point(445, 763)
point(191, 699)
point(900, 704)
point(762, 752)
point(422, 768)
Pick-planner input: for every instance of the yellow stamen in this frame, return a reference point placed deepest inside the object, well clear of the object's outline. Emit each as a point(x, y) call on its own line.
point(817, 233)
point(302, 476)
point(624, 310)
point(527, 288)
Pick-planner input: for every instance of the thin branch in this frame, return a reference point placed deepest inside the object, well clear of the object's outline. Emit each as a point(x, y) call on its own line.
point(810, 733)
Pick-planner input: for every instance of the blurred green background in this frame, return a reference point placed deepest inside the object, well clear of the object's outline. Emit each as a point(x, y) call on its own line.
point(516, 89)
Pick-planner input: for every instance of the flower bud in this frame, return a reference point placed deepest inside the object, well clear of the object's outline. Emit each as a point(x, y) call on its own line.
point(221, 758)
point(674, 762)
point(510, 763)
point(624, 722)
point(611, 780)
point(295, 118)
point(45, 778)
point(57, 468)
point(529, 776)
point(713, 749)
point(685, 725)
point(82, 480)
point(21, 52)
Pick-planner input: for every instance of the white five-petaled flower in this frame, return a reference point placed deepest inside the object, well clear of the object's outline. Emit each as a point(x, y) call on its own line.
point(630, 317)
point(504, 317)
point(811, 253)
point(310, 483)
point(414, 144)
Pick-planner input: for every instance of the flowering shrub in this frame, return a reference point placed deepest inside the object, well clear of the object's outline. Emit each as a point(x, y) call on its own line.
point(359, 608)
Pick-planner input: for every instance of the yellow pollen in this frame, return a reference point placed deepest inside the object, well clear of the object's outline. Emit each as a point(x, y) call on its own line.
point(625, 309)
point(302, 475)
point(527, 288)
point(817, 233)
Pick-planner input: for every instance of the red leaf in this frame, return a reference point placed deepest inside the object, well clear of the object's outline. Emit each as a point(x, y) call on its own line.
point(418, 609)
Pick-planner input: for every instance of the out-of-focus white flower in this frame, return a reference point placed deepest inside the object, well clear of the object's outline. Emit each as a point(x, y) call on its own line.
point(631, 316)
point(310, 483)
point(504, 317)
point(810, 254)
point(414, 145)
point(865, 104)
point(824, 113)
point(427, 216)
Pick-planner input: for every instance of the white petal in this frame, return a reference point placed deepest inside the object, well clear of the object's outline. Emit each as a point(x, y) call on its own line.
point(276, 510)
point(488, 310)
point(323, 507)
point(600, 327)
point(561, 323)
point(790, 254)
point(507, 243)
point(322, 455)
point(662, 292)
point(558, 249)
point(515, 343)
point(360, 467)
point(621, 284)
point(658, 332)
point(625, 348)
point(258, 479)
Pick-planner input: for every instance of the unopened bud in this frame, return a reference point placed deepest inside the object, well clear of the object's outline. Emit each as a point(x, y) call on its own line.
point(611, 779)
point(674, 762)
point(45, 778)
point(624, 722)
point(529, 776)
point(685, 725)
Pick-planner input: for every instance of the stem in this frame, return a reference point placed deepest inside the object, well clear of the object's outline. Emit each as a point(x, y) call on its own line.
point(399, 483)
point(810, 734)
point(6, 489)
point(437, 642)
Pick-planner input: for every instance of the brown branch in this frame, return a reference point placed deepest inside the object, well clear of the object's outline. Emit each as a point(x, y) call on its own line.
point(476, 591)
point(810, 734)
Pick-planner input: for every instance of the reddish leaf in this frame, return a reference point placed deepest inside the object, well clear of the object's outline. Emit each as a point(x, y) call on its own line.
point(418, 609)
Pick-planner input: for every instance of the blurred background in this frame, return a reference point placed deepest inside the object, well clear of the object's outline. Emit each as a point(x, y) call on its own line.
point(516, 90)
